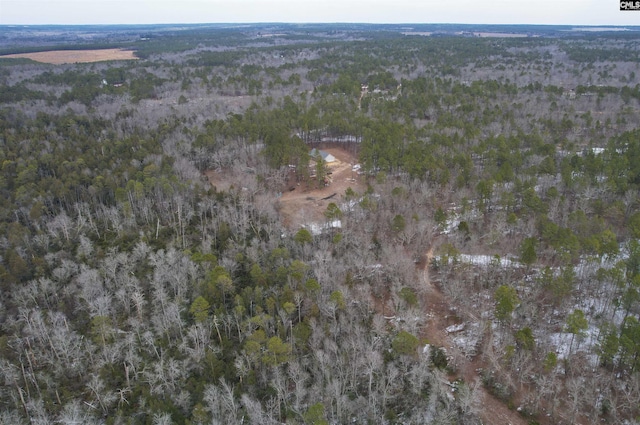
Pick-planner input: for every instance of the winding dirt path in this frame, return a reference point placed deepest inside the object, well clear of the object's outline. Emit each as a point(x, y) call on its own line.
point(440, 316)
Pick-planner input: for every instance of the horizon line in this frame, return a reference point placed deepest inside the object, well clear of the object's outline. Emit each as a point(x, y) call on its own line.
point(318, 23)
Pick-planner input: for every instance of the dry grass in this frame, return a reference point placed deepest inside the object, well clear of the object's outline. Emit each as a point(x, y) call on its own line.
point(58, 57)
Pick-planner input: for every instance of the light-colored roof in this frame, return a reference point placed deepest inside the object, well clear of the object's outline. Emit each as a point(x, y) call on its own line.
point(325, 155)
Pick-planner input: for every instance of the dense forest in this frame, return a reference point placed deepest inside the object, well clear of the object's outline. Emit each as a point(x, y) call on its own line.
point(483, 266)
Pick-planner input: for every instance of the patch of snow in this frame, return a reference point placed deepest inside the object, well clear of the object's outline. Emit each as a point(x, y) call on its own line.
point(350, 205)
point(454, 328)
point(487, 260)
point(587, 343)
point(315, 228)
point(343, 139)
point(452, 224)
point(468, 340)
point(561, 341)
point(318, 229)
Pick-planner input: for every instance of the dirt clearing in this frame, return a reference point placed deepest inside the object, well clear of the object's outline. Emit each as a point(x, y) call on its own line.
point(298, 204)
point(58, 57)
point(303, 206)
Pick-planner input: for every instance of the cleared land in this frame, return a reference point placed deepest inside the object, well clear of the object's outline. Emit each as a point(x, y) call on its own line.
point(303, 206)
point(58, 57)
point(306, 205)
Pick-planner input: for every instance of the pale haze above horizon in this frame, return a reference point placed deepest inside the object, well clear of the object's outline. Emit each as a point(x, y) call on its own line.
point(546, 12)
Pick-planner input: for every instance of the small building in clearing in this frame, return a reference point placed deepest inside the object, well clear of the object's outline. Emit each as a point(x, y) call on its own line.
point(326, 156)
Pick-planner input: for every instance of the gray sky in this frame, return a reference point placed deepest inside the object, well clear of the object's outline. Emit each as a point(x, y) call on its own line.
point(568, 12)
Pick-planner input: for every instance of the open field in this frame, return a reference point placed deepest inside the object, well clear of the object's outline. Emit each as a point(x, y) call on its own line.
point(58, 57)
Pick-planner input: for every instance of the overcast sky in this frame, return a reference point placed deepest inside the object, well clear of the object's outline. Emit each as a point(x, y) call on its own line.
point(568, 12)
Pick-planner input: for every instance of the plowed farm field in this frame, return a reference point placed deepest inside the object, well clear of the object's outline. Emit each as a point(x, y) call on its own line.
point(58, 57)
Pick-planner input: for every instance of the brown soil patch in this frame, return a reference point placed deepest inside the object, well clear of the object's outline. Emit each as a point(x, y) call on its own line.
point(58, 57)
point(305, 205)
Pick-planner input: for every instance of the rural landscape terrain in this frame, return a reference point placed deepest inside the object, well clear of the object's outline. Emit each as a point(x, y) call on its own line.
point(319, 224)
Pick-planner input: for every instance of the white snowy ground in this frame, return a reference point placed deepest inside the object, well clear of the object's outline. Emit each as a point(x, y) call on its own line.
point(592, 304)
